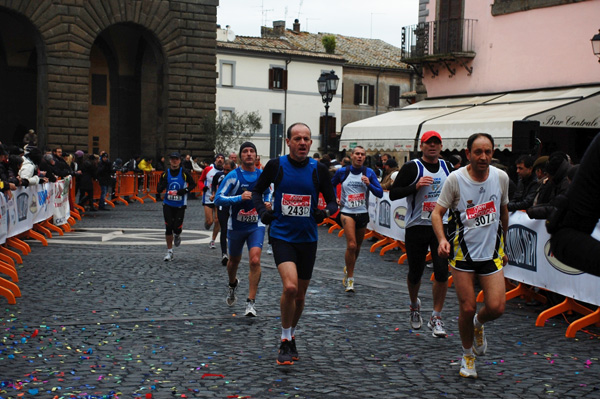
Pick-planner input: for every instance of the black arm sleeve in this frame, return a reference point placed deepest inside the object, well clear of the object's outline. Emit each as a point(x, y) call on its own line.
point(326, 188)
point(162, 183)
point(403, 185)
point(190, 181)
point(262, 184)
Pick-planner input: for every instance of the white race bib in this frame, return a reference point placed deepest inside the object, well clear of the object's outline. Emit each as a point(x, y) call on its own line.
point(356, 200)
point(428, 207)
point(481, 215)
point(295, 205)
point(250, 216)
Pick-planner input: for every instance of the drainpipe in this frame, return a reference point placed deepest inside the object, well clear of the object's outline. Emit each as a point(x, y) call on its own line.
point(287, 62)
point(377, 93)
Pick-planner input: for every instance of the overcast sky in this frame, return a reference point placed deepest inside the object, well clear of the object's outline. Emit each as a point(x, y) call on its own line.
point(376, 19)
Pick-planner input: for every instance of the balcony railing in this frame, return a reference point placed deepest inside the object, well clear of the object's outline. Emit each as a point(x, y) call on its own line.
point(451, 37)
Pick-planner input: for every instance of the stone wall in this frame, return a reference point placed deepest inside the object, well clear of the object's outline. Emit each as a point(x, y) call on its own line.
point(185, 31)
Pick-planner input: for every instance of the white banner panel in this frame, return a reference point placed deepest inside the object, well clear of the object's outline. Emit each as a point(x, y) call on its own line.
point(387, 217)
point(530, 261)
point(62, 209)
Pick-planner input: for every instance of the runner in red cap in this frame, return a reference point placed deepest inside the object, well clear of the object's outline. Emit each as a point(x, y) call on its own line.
point(420, 181)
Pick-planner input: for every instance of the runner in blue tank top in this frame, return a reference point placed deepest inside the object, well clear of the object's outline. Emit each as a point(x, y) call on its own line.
point(243, 225)
point(178, 183)
point(357, 182)
point(298, 180)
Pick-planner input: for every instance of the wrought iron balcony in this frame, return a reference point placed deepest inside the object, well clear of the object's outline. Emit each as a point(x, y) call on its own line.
point(441, 41)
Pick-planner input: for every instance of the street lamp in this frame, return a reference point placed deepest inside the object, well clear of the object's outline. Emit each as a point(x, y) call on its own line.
point(596, 45)
point(328, 83)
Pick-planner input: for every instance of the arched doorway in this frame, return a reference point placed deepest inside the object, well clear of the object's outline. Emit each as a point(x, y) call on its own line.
point(127, 94)
point(21, 79)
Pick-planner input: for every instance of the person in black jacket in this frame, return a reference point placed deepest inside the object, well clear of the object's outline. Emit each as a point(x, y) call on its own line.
point(557, 168)
point(578, 215)
point(88, 175)
point(61, 168)
point(105, 172)
point(527, 186)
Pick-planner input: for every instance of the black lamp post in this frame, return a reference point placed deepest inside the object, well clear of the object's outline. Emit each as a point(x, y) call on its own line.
point(328, 83)
point(596, 45)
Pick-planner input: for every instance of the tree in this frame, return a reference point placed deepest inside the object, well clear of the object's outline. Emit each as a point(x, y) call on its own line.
point(228, 132)
point(329, 43)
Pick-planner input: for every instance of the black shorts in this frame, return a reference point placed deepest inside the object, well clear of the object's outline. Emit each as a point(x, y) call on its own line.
point(482, 268)
point(418, 241)
point(173, 219)
point(211, 206)
point(360, 219)
point(303, 254)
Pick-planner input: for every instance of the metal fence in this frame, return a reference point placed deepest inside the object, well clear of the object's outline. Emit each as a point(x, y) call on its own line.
point(438, 38)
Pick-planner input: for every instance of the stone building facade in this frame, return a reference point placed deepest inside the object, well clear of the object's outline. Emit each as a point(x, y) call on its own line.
point(125, 76)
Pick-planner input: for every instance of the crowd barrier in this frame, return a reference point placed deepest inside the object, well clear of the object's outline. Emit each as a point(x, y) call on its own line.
point(530, 261)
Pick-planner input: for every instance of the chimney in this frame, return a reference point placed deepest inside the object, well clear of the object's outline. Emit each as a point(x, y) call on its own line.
point(296, 26)
point(279, 28)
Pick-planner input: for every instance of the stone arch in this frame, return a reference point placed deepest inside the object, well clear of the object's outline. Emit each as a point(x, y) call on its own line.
point(126, 62)
point(22, 78)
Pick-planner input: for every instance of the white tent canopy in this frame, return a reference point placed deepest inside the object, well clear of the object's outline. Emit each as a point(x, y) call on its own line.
point(457, 118)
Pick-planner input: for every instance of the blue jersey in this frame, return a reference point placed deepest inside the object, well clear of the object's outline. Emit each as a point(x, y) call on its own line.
point(175, 183)
point(295, 200)
point(242, 213)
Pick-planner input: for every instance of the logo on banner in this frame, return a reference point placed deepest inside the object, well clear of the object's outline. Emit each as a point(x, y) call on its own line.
point(22, 200)
point(521, 244)
point(33, 206)
point(558, 265)
point(385, 209)
point(400, 216)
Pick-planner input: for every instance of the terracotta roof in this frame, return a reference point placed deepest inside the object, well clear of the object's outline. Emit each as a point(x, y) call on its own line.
point(357, 51)
point(274, 46)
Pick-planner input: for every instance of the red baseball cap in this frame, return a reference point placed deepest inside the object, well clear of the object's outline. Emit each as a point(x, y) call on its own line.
point(429, 134)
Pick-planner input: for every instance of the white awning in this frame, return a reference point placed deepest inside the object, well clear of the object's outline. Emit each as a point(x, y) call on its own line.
point(397, 130)
point(496, 116)
point(457, 118)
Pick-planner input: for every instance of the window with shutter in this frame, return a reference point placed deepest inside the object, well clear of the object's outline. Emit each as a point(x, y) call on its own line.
point(277, 79)
point(394, 96)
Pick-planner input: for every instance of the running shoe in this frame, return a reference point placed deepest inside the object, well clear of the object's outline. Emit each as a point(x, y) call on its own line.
point(231, 297)
point(212, 244)
point(168, 257)
point(250, 309)
point(345, 280)
point(285, 353)
point(479, 340)
point(224, 260)
point(293, 349)
point(177, 240)
point(436, 325)
point(270, 249)
point(467, 367)
point(416, 321)
point(350, 285)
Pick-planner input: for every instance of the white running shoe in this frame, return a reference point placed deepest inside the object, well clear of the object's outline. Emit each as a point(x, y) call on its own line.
point(250, 309)
point(416, 321)
point(177, 240)
point(479, 340)
point(350, 285)
point(436, 325)
point(270, 249)
point(212, 244)
point(168, 256)
point(467, 367)
point(231, 297)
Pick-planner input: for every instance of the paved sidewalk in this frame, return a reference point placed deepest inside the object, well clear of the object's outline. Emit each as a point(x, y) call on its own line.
point(103, 316)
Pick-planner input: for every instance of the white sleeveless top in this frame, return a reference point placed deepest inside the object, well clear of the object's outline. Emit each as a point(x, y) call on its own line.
point(421, 204)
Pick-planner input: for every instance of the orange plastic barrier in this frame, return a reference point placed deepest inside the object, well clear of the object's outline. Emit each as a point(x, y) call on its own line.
point(196, 177)
point(150, 184)
point(127, 186)
point(97, 193)
point(75, 208)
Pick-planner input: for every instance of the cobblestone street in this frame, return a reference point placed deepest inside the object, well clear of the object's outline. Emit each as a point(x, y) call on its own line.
point(103, 316)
